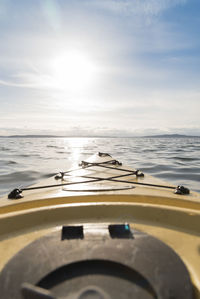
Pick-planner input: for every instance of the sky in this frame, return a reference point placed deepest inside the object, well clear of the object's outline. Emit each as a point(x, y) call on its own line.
point(99, 67)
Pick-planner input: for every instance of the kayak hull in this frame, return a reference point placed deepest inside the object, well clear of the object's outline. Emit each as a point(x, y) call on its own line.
point(171, 218)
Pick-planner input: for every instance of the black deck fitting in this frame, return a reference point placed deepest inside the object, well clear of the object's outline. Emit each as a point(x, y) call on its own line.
point(181, 190)
point(15, 194)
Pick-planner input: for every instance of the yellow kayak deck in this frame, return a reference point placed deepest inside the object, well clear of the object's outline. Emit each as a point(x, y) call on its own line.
point(101, 190)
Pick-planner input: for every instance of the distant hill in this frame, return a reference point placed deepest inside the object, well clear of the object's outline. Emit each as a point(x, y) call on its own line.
point(171, 136)
point(30, 136)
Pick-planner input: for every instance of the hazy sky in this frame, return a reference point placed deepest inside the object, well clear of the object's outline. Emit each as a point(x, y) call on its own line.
point(121, 67)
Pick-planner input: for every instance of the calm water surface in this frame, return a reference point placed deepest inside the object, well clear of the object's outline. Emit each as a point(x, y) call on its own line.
point(24, 161)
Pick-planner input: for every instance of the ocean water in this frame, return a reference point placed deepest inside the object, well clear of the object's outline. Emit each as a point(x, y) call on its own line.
point(24, 161)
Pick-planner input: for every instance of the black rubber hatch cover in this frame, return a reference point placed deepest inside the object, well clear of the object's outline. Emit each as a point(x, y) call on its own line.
point(96, 261)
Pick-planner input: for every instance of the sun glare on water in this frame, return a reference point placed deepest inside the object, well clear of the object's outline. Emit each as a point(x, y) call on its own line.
point(73, 71)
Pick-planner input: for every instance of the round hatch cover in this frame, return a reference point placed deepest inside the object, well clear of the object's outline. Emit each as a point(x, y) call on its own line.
point(96, 261)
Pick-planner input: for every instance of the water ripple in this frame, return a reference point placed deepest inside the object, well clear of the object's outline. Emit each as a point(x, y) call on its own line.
point(32, 160)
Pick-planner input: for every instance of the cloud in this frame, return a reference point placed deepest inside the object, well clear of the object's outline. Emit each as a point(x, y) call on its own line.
point(52, 13)
point(24, 84)
point(136, 7)
point(148, 75)
point(28, 80)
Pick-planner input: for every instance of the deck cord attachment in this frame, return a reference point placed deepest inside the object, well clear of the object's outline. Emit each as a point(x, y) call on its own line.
point(15, 194)
point(180, 190)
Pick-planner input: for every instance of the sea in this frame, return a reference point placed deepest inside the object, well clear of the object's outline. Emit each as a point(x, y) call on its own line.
point(25, 161)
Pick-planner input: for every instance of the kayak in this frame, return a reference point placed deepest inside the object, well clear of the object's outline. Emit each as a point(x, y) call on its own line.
point(100, 230)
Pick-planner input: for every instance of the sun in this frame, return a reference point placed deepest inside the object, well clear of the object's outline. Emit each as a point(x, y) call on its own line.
point(73, 71)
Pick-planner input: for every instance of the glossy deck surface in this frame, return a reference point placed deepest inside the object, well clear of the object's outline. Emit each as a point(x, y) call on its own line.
point(96, 194)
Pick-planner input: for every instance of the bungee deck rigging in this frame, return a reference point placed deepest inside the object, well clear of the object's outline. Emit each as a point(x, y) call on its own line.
point(17, 193)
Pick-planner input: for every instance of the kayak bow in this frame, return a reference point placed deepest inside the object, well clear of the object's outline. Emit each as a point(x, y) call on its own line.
point(102, 230)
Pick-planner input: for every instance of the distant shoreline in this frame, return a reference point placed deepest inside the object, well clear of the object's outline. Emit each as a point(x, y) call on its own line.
point(98, 136)
point(171, 136)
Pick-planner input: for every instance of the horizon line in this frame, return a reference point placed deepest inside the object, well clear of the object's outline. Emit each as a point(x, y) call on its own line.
point(95, 136)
